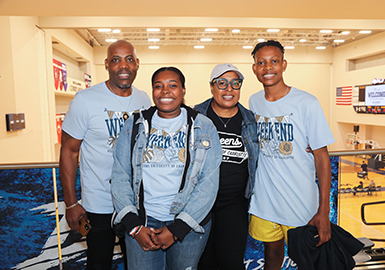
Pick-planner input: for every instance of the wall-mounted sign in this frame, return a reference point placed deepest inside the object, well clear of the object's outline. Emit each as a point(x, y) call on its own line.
point(369, 99)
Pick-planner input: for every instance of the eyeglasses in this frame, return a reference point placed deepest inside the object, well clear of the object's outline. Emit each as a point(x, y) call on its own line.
point(223, 83)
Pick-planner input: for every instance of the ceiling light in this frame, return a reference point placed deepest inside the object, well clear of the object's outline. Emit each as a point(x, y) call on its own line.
point(206, 39)
point(153, 47)
point(345, 33)
point(320, 48)
point(236, 31)
point(111, 40)
point(153, 29)
point(326, 31)
point(339, 40)
point(261, 40)
point(302, 40)
point(211, 29)
point(104, 30)
point(289, 47)
point(153, 39)
point(247, 47)
point(116, 31)
point(365, 32)
point(199, 47)
point(273, 30)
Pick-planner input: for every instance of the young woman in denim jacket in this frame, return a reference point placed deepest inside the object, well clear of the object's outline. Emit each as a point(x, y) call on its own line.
point(237, 131)
point(164, 190)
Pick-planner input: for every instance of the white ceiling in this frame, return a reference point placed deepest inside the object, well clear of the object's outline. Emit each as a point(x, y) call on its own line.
point(223, 37)
point(182, 22)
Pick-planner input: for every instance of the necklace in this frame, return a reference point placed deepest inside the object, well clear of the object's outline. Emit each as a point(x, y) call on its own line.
point(220, 118)
point(225, 124)
point(125, 113)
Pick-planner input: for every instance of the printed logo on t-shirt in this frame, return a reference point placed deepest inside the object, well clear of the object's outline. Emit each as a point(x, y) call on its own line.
point(165, 149)
point(275, 135)
point(114, 124)
point(233, 150)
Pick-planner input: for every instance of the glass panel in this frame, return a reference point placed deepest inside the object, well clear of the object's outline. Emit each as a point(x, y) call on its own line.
point(354, 191)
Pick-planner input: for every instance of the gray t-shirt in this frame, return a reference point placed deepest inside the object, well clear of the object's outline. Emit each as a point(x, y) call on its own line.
point(95, 116)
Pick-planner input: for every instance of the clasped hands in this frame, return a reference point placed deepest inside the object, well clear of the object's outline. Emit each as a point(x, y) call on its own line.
point(153, 239)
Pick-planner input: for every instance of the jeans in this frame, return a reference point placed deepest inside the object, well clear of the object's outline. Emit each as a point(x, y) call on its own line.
point(101, 242)
point(178, 256)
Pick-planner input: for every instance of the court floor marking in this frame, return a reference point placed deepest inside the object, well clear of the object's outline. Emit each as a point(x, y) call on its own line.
point(361, 224)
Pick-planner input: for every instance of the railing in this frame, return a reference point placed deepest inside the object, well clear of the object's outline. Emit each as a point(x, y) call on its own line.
point(31, 189)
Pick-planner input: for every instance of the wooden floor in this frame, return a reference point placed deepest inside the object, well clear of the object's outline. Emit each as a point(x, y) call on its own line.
point(349, 212)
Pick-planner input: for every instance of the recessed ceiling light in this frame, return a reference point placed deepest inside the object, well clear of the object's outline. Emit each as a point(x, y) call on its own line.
point(104, 30)
point(261, 40)
point(236, 31)
point(289, 47)
point(116, 31)
point(199, 47)
point(153, 47)
point(339, 40)
point(247, 47)
point(153, 39)
point(153, 29)
point(273, 30)
point(320, 48)
point(345, 33)
point(111, 40)
point(302, 40)
point(326, 31)
point(365, 32)
point(211, 29)
point(206, 39)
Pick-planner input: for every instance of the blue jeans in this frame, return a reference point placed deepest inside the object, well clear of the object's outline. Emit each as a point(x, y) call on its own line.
point(178, 256)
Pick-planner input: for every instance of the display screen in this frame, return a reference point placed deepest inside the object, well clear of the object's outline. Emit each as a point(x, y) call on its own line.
point(375, 95)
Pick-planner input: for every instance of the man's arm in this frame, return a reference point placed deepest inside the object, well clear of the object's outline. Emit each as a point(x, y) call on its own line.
point(68, 165)
point(321, 219)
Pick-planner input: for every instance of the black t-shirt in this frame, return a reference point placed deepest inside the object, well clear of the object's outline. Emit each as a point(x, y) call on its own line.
point(233, 170)
point(364, 167)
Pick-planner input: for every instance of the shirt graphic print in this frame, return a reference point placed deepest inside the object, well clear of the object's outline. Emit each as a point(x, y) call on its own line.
point(233, 150)
point(275, 136)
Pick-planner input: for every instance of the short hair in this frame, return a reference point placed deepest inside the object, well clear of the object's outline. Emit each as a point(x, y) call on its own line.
point(270, 42)
point(173, 69)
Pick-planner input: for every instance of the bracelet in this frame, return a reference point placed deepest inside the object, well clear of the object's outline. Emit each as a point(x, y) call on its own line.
point(137, 232)
point(72, 206)
point(133, 231)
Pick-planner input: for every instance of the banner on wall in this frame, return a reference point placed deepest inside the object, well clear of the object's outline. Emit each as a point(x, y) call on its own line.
point(28, 224)
point(60, 75)
point(59, 123)
point(87, 79)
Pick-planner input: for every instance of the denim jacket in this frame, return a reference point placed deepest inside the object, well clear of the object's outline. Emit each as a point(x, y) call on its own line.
point(199, 182)
point(249, 136)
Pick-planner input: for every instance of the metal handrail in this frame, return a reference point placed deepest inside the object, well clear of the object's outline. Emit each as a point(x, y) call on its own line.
point(35, 165)
point(357, 152)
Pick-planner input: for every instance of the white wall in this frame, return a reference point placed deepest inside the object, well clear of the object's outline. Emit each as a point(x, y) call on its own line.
point(27, 84)
point(308, 69)
point(342, 77)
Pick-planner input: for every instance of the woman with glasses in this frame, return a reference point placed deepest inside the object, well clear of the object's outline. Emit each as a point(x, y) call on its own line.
point(237, 132)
